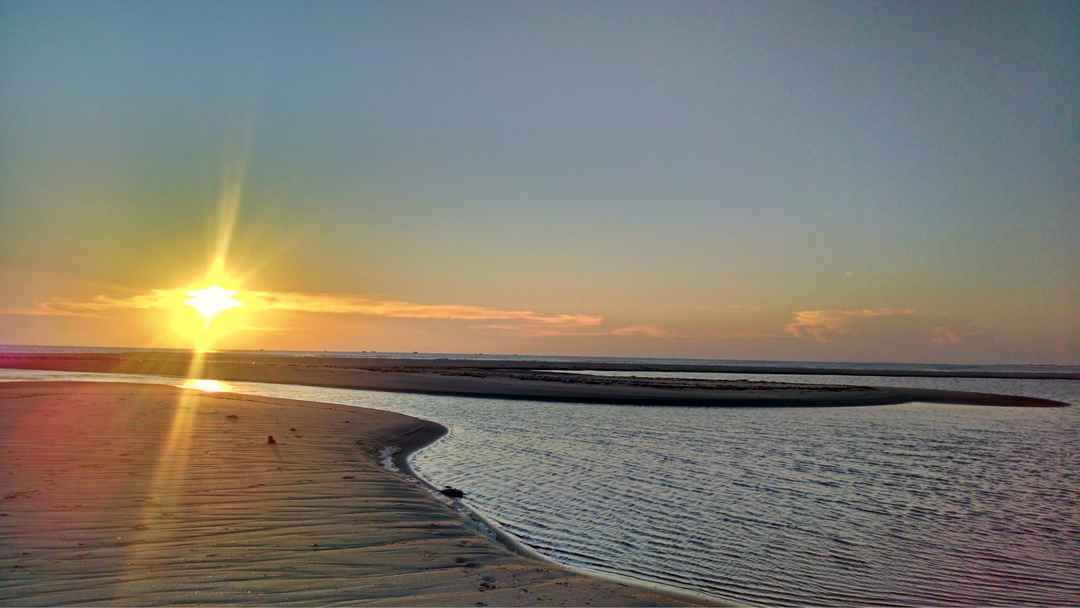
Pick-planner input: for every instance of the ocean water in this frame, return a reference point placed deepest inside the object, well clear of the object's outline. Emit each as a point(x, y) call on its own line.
point(914, 504)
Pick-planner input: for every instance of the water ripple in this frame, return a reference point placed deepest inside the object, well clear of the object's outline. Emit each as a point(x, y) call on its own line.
point(913, 504)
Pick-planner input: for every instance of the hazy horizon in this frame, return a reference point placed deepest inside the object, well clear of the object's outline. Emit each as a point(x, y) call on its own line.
point(839, 181)
point(14, 348)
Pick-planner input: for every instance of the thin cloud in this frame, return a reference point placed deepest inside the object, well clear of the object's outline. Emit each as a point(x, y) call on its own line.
point(946, 336)
point(648, 331)
point(23, 312)
point(824, 325)
point(334, 304)
point(102, 305)
point(893, 325)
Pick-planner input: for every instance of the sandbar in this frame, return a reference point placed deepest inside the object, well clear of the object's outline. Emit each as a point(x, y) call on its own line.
point(500, 379)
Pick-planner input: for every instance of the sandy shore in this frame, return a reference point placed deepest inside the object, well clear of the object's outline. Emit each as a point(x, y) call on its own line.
point(501, 379)
point(147, 495)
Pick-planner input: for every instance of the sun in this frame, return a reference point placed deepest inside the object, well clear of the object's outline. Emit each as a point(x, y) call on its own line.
point(211, 301)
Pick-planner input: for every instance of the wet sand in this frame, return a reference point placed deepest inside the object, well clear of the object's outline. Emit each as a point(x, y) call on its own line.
point(503, 379)
point(130, 494)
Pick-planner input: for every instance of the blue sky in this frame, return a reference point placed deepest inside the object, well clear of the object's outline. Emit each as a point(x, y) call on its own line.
point(710, 169)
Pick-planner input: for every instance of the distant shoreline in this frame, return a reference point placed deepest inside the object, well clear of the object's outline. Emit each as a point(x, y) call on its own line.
point(520, 380)
point(373, 359)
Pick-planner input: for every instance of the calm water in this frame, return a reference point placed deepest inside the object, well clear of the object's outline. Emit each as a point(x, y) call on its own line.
point(912, 504)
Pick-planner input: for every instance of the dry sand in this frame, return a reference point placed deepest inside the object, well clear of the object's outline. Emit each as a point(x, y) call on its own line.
point(148, 495)
point(531, 380)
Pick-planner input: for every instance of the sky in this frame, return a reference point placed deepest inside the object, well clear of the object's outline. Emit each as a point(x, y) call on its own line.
point(855, 181)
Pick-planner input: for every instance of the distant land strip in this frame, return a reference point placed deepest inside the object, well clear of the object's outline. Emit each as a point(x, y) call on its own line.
point(530, 380)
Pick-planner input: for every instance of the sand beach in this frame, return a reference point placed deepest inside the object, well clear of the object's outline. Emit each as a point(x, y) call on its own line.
point(125, 494)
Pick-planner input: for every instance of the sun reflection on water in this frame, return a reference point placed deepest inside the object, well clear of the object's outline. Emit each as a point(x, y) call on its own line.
point(207, 386)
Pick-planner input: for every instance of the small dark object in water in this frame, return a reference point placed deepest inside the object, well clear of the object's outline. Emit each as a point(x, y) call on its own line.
point(292, 428)
point(233, 417)
point(452, 492)
point(270, 440)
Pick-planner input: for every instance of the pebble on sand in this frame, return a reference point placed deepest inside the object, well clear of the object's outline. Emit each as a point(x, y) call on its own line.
point(452, 492)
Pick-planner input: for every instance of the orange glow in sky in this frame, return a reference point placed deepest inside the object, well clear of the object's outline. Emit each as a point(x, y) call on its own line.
point(731, 200)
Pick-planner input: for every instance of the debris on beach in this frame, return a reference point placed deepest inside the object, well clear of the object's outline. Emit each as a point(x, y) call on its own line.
point(270, 440)
point(386, 457)
point(450, 492)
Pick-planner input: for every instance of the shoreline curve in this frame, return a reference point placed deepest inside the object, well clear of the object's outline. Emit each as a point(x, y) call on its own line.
point(402, 461)
point(379, 539)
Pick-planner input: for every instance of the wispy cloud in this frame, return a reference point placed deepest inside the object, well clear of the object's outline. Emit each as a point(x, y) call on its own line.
point(648, 331)
point(336, 304)
point(102, 305)
point(824, 325)
point(945, 336)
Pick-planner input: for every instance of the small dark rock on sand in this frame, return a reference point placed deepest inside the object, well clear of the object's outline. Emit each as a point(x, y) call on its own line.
point(233, 417)
point(452, 492)
point(270, 440)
